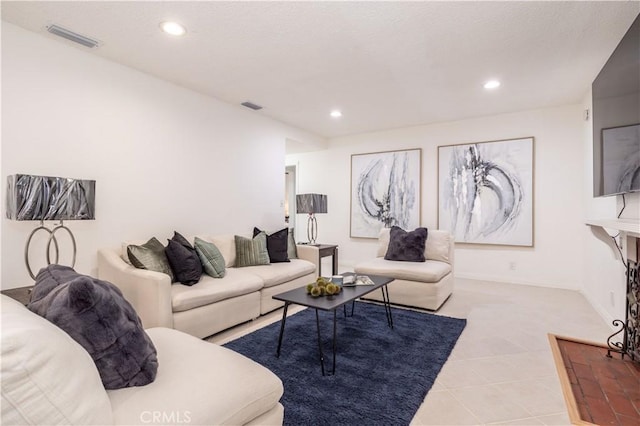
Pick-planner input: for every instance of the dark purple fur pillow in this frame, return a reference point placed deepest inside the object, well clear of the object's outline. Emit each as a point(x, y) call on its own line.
point(406, 246)
point(96, 315)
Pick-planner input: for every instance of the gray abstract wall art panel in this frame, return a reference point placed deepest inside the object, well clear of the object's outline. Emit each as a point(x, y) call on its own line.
point(621, 159)
point(485, 192)
point(385, 191)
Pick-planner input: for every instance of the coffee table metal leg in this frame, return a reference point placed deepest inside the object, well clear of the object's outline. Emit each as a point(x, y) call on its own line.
point(387, 305)
point(334, 342)
point(320, 343)
point(284, 318)
point(353, 304)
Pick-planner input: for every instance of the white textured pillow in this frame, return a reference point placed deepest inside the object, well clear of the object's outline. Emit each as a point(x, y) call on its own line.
point(437, 246)
point(47, 378)
point(383, 241)
point(227, 246)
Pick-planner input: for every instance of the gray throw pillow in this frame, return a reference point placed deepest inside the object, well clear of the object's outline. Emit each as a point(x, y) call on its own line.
point(252, 252)
point(406, 246)
point(211, 258)
point(96, 315)
point(151, 256)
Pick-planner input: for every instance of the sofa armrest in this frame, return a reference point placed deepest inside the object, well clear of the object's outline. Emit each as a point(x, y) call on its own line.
point(149, 292)
point(309, 253)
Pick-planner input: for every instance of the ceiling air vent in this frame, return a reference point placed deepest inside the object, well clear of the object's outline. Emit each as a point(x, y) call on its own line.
point(251, 105)
point(70, 35)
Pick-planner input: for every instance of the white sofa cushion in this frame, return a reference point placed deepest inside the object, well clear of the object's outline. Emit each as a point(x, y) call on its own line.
point(191, 373)
point(278, 273)
point(47, 378)
point(436, 247)
point(236, 282)
point(430, 271)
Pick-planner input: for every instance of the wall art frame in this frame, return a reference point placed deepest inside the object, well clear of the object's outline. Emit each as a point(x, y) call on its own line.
point(486, 191)
point(385, 191)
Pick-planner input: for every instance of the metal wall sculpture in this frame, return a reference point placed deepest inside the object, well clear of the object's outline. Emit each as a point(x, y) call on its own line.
point(385, 191)
point(485, 192)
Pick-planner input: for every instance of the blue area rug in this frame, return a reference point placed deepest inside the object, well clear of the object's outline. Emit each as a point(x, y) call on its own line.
point(382, 374)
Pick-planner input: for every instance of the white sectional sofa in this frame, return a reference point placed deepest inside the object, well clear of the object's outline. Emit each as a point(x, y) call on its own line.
point(425, 285)
point(213, 304)
point(48, 378)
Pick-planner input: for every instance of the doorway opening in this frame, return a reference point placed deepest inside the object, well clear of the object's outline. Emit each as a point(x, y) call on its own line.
point(290, 196)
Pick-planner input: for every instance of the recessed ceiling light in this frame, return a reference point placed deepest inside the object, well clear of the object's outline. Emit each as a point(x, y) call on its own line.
point(336, 113)
point(173, 28)
point(492, 84)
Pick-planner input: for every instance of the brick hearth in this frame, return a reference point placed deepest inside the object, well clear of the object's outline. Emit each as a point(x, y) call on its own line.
point(597, 389)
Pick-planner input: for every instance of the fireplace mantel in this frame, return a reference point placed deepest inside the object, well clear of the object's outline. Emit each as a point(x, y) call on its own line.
point(629, 230)
point(629, 226)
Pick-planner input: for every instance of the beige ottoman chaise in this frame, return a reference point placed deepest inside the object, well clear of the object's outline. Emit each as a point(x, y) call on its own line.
point(425, 285)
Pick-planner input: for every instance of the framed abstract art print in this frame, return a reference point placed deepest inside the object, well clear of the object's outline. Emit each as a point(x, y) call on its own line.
point(485, 192)
point(385, 191)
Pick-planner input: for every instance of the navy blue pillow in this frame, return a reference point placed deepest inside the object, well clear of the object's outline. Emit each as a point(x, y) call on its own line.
point(277, 245)
point(184, 260)
point(406, 246)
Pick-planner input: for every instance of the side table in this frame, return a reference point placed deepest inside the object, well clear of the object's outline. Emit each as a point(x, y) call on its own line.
point(325, 250)
point(21, 294)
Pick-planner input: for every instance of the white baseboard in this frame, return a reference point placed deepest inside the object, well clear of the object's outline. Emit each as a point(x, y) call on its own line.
point(606, 316)
point(502, 279)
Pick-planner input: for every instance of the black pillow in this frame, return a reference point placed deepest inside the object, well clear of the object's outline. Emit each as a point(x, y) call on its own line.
point(96, 315)
point(406, 246)
point(184, 260)
point(277, 245)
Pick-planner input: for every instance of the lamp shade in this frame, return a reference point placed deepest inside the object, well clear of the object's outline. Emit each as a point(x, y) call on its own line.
point(311, 203)
point(32, 197)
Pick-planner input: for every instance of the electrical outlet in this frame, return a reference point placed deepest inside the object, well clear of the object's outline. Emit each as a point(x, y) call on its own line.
point(512, 266)
point(612, 300)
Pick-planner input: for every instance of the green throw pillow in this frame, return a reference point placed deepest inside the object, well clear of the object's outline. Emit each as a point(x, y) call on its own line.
point(211, 258)
point(251, 252)
point(151, 256)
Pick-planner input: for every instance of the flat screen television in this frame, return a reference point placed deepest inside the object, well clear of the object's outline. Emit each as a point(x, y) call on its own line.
point(616, 119)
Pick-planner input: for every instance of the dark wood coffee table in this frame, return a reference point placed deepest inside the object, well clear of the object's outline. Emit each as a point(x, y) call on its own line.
point(299, 296)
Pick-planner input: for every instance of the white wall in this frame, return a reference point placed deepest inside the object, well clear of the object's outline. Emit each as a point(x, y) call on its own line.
point(604, 279)
point(558, 213)
point(164, 158)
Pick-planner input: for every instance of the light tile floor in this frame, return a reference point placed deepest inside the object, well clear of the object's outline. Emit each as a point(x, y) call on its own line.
point(501, 370)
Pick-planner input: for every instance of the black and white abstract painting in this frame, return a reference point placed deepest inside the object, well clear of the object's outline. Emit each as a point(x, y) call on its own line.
point(485, 192)
point(385, 191)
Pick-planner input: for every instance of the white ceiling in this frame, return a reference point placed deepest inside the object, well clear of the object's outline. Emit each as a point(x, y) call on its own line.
point(384, 64)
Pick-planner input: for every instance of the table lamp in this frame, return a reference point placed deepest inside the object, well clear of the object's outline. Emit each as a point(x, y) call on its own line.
point(311, 204)
point(43, 198)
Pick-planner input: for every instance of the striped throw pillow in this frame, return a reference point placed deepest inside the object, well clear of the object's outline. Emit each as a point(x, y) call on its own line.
point(251, 252)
